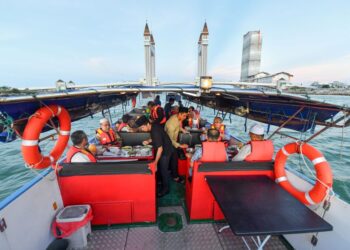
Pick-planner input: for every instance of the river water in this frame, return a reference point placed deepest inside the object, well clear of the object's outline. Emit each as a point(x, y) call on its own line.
point(334, 143)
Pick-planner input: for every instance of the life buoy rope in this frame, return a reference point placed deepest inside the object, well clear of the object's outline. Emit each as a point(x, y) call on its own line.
point(30, 139)
point(324, 178)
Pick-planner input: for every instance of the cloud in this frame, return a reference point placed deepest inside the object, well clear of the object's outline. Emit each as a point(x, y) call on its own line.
point(335, 69)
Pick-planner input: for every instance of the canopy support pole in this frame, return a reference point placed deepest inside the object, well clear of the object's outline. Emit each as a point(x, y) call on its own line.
point(285, 123)
point(325, 128)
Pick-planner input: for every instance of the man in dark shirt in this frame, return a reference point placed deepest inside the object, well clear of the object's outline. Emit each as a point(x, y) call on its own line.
point(163, 148)
point(157, 114)
point(168, 106)
point(157, 100)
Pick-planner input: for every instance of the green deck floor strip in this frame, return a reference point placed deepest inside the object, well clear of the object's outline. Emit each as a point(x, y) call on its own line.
point(175, 197)
point(120, 226)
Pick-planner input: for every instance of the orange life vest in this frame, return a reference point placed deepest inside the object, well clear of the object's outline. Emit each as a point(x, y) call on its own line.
point(106, 138)
point(73, 150)
point(154, 114)
point(260, 151)
point(121, 126)
point(213, 152)
point(221, 130)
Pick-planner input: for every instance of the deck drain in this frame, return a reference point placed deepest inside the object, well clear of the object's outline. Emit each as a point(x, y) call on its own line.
point(170, 222)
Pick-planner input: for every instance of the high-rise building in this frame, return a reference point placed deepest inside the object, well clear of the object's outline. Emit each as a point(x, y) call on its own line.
point(251, 54)
point(202, 52)
point(150, 53)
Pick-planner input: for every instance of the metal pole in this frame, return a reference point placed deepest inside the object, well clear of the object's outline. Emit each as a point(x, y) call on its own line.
point(288, 120)
point(325, 128)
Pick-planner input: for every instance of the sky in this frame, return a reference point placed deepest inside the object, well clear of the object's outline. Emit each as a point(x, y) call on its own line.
point(102, 41)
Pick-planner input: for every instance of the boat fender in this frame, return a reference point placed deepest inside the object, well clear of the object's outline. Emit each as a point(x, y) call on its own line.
point(324, 177)
point(30, 139)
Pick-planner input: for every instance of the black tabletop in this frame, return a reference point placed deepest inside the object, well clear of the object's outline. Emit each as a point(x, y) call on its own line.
point(255, 205)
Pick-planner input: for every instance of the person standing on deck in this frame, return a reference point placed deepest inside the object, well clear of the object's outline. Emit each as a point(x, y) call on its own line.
point(105, 134)
point(157, 100)
point(172, 128)
point(163, 148)
point(79, 151)
point(157, 114)
point(167, 107)
point(257, 149)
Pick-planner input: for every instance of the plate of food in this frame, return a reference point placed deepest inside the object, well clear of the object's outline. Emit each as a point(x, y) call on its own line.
point(127, 148)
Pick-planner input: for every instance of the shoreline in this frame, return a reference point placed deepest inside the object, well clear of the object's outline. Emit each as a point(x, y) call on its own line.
point(343, 92)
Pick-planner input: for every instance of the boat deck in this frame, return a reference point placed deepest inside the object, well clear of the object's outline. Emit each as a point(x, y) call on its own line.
point(191, 236)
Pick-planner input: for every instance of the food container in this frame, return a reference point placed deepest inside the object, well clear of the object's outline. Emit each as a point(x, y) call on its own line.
point(145, 152)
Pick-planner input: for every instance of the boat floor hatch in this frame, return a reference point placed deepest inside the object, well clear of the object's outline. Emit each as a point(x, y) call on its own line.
point(192, 236)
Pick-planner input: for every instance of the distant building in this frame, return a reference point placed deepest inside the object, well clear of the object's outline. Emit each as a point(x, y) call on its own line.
point(150, 55)
point(316, 85)
point(334, 85)
point(337, 84)
point(202, 52)
point(251, 55)
point(61, 85)
point(70, 85)
point(251, 60)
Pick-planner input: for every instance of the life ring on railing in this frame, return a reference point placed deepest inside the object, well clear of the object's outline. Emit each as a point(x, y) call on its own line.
point(30, 139)
point(324, 175)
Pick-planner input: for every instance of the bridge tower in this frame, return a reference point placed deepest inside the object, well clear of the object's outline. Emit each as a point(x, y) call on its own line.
point(150, 63)
point(202, 52)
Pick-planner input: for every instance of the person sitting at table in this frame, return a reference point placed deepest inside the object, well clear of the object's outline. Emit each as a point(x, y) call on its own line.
point(164, 151)
point(194, 119)
point(79, 151)
point(212, 150)
point(172, 128)
point(157, 114)
point(217, 124)
point(105, 134)
point(257, 149)
point(123, 125)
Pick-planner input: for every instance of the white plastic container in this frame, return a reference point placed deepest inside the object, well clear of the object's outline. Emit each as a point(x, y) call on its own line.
point(76, 213)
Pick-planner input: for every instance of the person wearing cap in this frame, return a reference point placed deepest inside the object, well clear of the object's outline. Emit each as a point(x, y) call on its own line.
point(79, 152)
point(257, 149)
point(164, 151)
point(105, 133)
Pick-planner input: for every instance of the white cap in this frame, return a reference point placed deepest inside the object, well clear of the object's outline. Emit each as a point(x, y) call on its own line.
point(257, 129)
point(103, 120)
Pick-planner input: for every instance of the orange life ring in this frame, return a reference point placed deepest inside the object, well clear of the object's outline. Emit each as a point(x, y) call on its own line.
point(323, 172)
point(30, 139)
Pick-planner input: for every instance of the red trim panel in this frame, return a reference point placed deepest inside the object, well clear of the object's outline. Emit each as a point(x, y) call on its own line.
point(115, 199)
point(200, 201)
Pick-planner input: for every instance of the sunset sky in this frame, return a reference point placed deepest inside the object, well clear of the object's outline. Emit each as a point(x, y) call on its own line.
point(102, 41)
